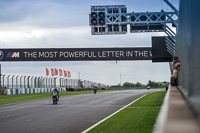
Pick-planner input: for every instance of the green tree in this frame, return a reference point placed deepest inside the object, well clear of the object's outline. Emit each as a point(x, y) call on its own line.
point(138, 84)
point(150, 83)
point(126, 84)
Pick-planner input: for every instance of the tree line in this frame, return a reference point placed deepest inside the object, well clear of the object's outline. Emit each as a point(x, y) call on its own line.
point(150, 83)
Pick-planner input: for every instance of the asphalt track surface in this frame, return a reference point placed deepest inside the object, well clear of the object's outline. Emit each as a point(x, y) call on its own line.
point(73, 114)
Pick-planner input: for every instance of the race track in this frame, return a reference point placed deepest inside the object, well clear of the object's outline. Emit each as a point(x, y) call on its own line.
point(73, 114)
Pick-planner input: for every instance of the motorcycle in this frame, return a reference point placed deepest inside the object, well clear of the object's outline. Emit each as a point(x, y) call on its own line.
point(55, 97)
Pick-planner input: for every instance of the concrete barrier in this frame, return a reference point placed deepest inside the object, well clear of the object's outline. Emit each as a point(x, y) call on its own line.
point(31, 90)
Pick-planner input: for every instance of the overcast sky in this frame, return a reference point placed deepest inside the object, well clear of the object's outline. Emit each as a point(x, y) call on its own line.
point(65, 24)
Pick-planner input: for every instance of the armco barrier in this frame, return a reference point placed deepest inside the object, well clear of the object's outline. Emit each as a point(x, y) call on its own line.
point(31, 90)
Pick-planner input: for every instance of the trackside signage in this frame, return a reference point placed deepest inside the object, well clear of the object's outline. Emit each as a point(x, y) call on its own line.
point(76, 54)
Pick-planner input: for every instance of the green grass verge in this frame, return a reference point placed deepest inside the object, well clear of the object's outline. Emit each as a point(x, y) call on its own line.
point(8, 99)
point(140, 117)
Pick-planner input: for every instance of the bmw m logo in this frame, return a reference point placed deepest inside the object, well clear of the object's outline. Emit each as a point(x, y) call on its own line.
point(13, 55)
point(1, 54)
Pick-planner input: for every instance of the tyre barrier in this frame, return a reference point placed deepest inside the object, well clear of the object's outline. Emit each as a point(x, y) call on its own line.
point(31, 90)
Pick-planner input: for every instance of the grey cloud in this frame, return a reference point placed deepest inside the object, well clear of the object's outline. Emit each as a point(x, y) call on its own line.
point(17, 10)
point(42, 14)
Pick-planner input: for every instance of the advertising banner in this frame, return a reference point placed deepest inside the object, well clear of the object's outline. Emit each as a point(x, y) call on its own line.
point(76, 54)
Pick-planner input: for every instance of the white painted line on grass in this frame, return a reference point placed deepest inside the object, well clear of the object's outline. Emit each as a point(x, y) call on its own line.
point(85, 131)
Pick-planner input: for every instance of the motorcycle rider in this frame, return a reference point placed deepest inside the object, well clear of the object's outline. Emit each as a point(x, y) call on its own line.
point(55, 90)
point(95, 89)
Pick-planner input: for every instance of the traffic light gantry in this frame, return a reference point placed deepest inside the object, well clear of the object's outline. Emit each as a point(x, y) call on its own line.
point(114, 19)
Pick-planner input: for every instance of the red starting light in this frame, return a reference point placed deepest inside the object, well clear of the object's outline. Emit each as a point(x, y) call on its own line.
point(94, 22)
point(101, 22)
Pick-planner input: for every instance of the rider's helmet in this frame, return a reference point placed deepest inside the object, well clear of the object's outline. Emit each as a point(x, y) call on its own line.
point(55, 89)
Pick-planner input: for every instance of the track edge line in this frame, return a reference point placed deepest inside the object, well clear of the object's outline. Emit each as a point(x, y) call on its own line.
point(85, 131)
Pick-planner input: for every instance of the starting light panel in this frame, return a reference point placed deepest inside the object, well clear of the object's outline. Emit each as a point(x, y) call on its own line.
point(99, 21)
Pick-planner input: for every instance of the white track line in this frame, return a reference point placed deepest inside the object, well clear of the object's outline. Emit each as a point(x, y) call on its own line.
point(85, 131)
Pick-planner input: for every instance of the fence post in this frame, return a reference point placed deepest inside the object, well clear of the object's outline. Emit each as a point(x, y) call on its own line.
point(55, 81)
point(60, 82)
point(16, 81)
point(35, 82)
point(24, 81)
point(46, 83)
point(3, 80)
point(38, 84)
point(28, 81)
point(32, 82)
point(8, 81)
point(20, 82)
point(12, 80)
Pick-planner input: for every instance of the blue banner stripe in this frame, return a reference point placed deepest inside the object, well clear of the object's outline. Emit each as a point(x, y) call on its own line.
point(11, 91)
point(8, 55)
point(32, 90)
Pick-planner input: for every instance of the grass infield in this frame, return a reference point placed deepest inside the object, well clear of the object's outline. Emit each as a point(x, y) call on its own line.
point(8, 99)
point(140, 117)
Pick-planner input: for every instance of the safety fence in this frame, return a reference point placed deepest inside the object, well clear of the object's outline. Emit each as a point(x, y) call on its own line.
point(21, 83)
